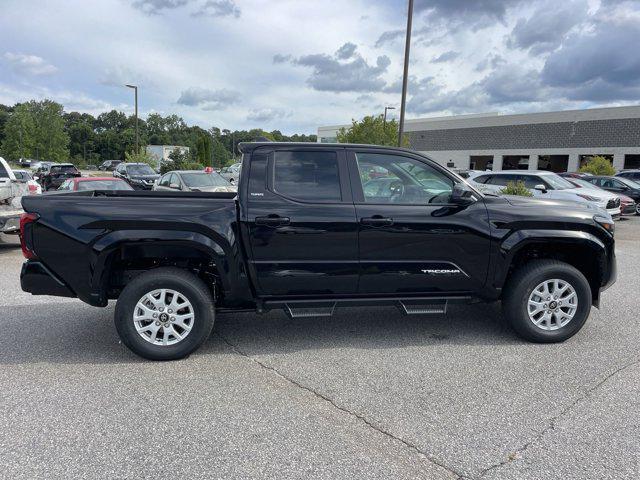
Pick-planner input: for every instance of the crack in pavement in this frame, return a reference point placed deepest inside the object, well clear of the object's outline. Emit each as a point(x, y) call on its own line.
point(359, 417)
point(553, 420)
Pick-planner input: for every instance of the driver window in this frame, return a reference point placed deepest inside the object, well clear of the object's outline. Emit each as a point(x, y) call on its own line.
point(395, 179)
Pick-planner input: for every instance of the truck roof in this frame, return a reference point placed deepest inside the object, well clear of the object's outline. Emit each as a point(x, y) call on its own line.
point(248, 147)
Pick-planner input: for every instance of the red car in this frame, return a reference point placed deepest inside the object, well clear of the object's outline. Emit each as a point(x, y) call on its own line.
point(94, 183)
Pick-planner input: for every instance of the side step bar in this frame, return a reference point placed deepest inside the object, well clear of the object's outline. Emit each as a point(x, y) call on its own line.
point(310, 311)
point(326, 308)
point(438, 307)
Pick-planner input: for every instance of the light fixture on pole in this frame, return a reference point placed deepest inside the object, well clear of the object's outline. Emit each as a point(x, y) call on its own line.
point(135, 88)
point(405, 75)
point(384, 119)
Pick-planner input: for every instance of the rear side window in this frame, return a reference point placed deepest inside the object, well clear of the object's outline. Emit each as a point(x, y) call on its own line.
point(307, 176)
point(481, 178)
point(3, 171)
point(502, 180)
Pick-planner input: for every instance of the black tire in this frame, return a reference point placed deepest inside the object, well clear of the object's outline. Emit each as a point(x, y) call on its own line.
point(188, 285)
point(522, 283)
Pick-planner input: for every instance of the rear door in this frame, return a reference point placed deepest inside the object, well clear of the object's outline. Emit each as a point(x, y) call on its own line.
point(301, 222)
point(412, 239)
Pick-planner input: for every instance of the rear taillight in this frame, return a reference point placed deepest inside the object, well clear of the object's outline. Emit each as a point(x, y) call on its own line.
point(26, 219)
point(33, 189)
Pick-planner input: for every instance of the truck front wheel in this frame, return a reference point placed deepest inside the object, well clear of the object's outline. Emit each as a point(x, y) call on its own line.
point(547, 301)
point(164, 314)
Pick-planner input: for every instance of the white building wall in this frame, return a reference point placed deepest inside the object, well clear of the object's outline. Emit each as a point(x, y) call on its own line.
point(461, 158)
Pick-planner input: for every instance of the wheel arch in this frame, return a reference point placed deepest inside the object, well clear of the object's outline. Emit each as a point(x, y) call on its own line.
point(582, 250)
point(122, 251)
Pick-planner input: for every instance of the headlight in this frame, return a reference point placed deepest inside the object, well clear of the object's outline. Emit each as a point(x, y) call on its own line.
point(606, 223)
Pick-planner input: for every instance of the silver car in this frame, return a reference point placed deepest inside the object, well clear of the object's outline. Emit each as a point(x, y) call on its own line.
point(231, 173)
point(193, 181)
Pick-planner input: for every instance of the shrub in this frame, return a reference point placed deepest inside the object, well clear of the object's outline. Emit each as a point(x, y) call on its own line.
point(598, 166)
point(192, 166)
point(516, 188)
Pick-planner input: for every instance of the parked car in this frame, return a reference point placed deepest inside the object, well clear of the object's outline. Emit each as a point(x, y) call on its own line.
point(25, 162)
point(40, 168)
point(618, 185)
point(57, 174)
point(80, 184)
point(633, 174)
point(543, 184)
point(139, 175)
point(302, 234)
point(231, 173)
point(109, 165)
point(25, 177)
point(193, 181)
point(574, 174)
point(613, 200)
point(9, 187)
point(627, 205)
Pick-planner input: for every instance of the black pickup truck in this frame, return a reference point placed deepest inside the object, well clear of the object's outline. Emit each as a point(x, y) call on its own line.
point(313, 227)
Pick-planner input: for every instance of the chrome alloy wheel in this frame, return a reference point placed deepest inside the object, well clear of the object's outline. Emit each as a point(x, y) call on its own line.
point(552, 304)
point(163, 317)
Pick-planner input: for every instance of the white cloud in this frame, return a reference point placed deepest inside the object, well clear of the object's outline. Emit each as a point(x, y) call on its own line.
point(29, 64)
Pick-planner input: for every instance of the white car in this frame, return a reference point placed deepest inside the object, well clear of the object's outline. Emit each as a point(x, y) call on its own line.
point(24, 177)
point(9, 186)
point(543, 184)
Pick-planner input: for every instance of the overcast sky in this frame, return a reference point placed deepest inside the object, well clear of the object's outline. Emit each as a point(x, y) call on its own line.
point(294, 65)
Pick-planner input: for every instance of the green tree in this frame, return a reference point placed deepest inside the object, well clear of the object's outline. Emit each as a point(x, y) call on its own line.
point(516, 188)
point(142, 157)
point(51, 139)
point(598, 166)
point(371, 130)
point(178, 160)
point(19, 134)
point(221, 156)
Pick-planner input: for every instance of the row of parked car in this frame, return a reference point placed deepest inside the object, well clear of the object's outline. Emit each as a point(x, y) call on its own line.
point(618, 195)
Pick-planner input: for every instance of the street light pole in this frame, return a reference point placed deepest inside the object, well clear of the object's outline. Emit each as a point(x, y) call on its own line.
point(405, 75)
point(135, 88)
point(384, 120)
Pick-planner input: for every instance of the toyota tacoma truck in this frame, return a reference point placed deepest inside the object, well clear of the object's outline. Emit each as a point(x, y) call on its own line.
point(314, 227)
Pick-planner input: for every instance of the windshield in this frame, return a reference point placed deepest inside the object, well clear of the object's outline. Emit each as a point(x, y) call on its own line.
point(140, 170)
point(629, 183)
point(103, 185)
point(557, 182)
point(63, 168)
point(201, 179)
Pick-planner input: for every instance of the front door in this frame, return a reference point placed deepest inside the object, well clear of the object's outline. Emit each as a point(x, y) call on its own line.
point(301, 222)
point(412, 239)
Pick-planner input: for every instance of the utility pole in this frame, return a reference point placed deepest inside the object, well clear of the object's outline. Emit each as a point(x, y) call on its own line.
point(405, 75)
point(135, 88)
point(384, 119)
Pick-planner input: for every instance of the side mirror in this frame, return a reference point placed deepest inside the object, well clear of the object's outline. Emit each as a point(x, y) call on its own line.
point(541, 188)
point(174, 185)
point(462, 195)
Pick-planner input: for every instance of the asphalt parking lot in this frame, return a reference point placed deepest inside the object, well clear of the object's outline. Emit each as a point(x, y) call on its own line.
point(364, 394)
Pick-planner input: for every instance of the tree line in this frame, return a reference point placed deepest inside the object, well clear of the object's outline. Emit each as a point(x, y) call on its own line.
point(42, 130)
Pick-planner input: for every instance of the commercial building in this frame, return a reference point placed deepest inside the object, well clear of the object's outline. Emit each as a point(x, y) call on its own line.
point(555, 141)
point(161, 152)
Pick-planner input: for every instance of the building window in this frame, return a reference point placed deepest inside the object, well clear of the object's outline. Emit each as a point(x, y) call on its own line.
point(481, 162)
point(632, 161)
point(553, 163)
point(515, 162)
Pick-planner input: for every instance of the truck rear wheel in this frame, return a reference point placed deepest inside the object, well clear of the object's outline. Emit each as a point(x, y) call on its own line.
point(164, 314)
point(547, 301)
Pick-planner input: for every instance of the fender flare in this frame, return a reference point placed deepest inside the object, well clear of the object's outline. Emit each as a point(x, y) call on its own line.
point(520, 239)
point(106, 245)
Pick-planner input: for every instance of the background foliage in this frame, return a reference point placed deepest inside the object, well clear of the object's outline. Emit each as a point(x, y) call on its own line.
point(42, 130)
point(372, 130)
point(516, 188)
point(598, 166)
